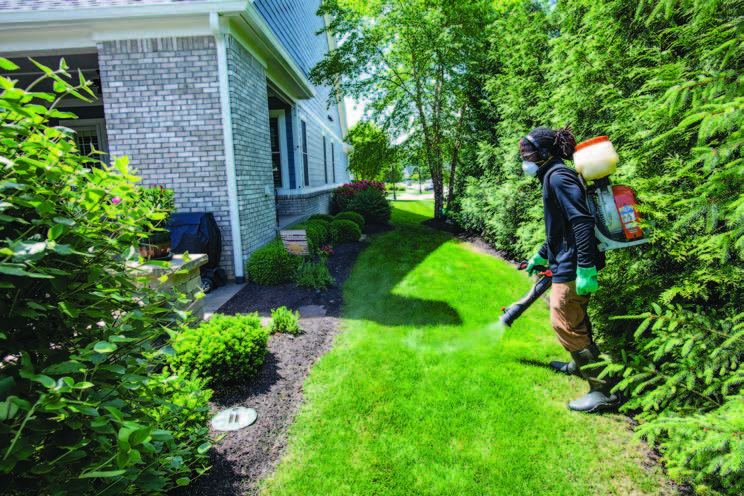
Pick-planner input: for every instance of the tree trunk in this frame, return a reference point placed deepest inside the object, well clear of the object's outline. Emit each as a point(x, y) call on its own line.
point(455, 152)
point(453, 167)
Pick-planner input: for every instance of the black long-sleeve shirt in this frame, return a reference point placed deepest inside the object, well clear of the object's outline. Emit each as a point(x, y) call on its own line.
point(569, 226)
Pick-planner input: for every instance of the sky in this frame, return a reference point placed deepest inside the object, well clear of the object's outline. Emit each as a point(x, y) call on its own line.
point(353, 115)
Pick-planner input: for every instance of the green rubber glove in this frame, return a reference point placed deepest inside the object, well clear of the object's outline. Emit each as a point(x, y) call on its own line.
point(586, 280)
point(535, 260)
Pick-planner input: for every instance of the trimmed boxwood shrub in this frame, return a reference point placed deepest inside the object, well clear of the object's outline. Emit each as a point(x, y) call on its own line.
point(272, 264)
point(226, 349)
point(345, 231)
point(324, 229)
point(325, 217)
point(353, 216)
point(316, 234)
point(371, 205)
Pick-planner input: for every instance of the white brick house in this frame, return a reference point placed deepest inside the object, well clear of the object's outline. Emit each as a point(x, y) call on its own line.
point(208, 97)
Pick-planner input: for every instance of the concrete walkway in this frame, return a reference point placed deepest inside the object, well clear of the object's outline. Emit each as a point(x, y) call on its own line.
point(217, 297)
point(411, 195)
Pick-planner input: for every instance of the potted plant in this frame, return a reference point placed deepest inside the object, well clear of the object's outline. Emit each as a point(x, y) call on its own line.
point(161, 203)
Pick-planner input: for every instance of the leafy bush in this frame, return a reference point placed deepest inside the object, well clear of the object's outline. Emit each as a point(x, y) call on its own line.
point(79, 402)
point(284, 320)
point(345, 231)
point(325, 217)
point(224, 350)
point(316, 233)
point(371, 205)
point(323, 226)
point(689, 362)
point(184, 409)
point(353, 216)
point(314, 275)
point(508, 216)
point(343, 195)
point(272, 264)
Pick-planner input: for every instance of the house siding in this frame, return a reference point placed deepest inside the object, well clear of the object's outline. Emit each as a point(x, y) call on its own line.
point(249, 107)
point(295, 24)
point(162, 105)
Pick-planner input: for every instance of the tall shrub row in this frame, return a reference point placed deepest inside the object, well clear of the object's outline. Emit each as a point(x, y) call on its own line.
point(86, 406)
point(664, 80)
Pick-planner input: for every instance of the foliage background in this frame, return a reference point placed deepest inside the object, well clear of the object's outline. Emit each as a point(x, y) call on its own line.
point(664, 80)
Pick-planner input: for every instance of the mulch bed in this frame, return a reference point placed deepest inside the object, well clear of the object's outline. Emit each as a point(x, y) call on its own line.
point(242, 458)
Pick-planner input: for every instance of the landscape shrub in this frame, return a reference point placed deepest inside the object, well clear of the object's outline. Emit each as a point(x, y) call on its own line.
point(343, 195)
point(315, 233)
point(371, 205)
point(508, 216)
point(353, 216)
point(272, 264)
point(184, 406)
point(314, 275)
point(345, 231)
point(325, 217)
point(79, 402)
point(225, 350)
point(324, 233)
point(284, 320)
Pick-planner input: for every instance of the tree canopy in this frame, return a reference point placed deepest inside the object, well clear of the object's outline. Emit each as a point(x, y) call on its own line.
point(407, 58)
point(373, 154)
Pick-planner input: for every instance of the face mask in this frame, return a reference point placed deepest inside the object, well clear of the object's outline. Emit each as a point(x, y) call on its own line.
point(529, 168)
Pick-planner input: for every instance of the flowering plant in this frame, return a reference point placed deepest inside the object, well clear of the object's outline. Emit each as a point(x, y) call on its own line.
point(343, 195)
point(326, 251)
point(354, 187)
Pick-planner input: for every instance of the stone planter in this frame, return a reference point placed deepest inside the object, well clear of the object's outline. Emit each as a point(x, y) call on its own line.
point(183, 277)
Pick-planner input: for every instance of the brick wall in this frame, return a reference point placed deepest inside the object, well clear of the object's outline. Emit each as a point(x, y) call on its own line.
point(162, 105)
point(250, 119)
point(305, 203)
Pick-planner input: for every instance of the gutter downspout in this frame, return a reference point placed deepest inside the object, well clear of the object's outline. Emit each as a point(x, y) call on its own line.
point(232, 183)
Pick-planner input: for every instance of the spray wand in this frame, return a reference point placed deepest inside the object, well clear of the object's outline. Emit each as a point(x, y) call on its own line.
point(515, 310)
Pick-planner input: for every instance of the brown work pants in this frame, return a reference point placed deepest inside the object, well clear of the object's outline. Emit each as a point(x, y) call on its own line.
point(568, 316)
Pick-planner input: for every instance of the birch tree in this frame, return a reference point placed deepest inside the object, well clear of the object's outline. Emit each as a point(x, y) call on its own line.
point(408, 59)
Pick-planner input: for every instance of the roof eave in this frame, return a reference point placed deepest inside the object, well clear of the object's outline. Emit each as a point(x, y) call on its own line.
point(15, 17)
point(280, 59)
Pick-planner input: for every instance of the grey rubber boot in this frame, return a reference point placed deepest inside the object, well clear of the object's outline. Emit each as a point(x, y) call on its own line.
point(600, 395)
point(570, 368)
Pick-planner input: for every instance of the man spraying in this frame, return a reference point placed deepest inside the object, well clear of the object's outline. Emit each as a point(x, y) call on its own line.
point(570, 251)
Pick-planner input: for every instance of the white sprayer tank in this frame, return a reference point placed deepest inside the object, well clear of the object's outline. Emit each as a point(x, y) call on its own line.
point(595, 158)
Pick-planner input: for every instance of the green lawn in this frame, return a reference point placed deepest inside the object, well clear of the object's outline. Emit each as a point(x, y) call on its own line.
point(423, 394)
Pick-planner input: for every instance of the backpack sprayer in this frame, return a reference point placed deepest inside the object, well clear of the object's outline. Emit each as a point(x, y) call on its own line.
point(614, 208)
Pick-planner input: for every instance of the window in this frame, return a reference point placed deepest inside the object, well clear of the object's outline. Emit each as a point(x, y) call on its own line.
point(333, 162)
point(276, 153)
point(325, 160)
point(305, 162)
point(90, 134)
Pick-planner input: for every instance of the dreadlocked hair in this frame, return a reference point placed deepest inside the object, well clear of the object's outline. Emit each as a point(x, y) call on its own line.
point(560, 143)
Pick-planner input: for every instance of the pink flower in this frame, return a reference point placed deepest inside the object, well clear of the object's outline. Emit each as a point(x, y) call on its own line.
point(116, 200)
